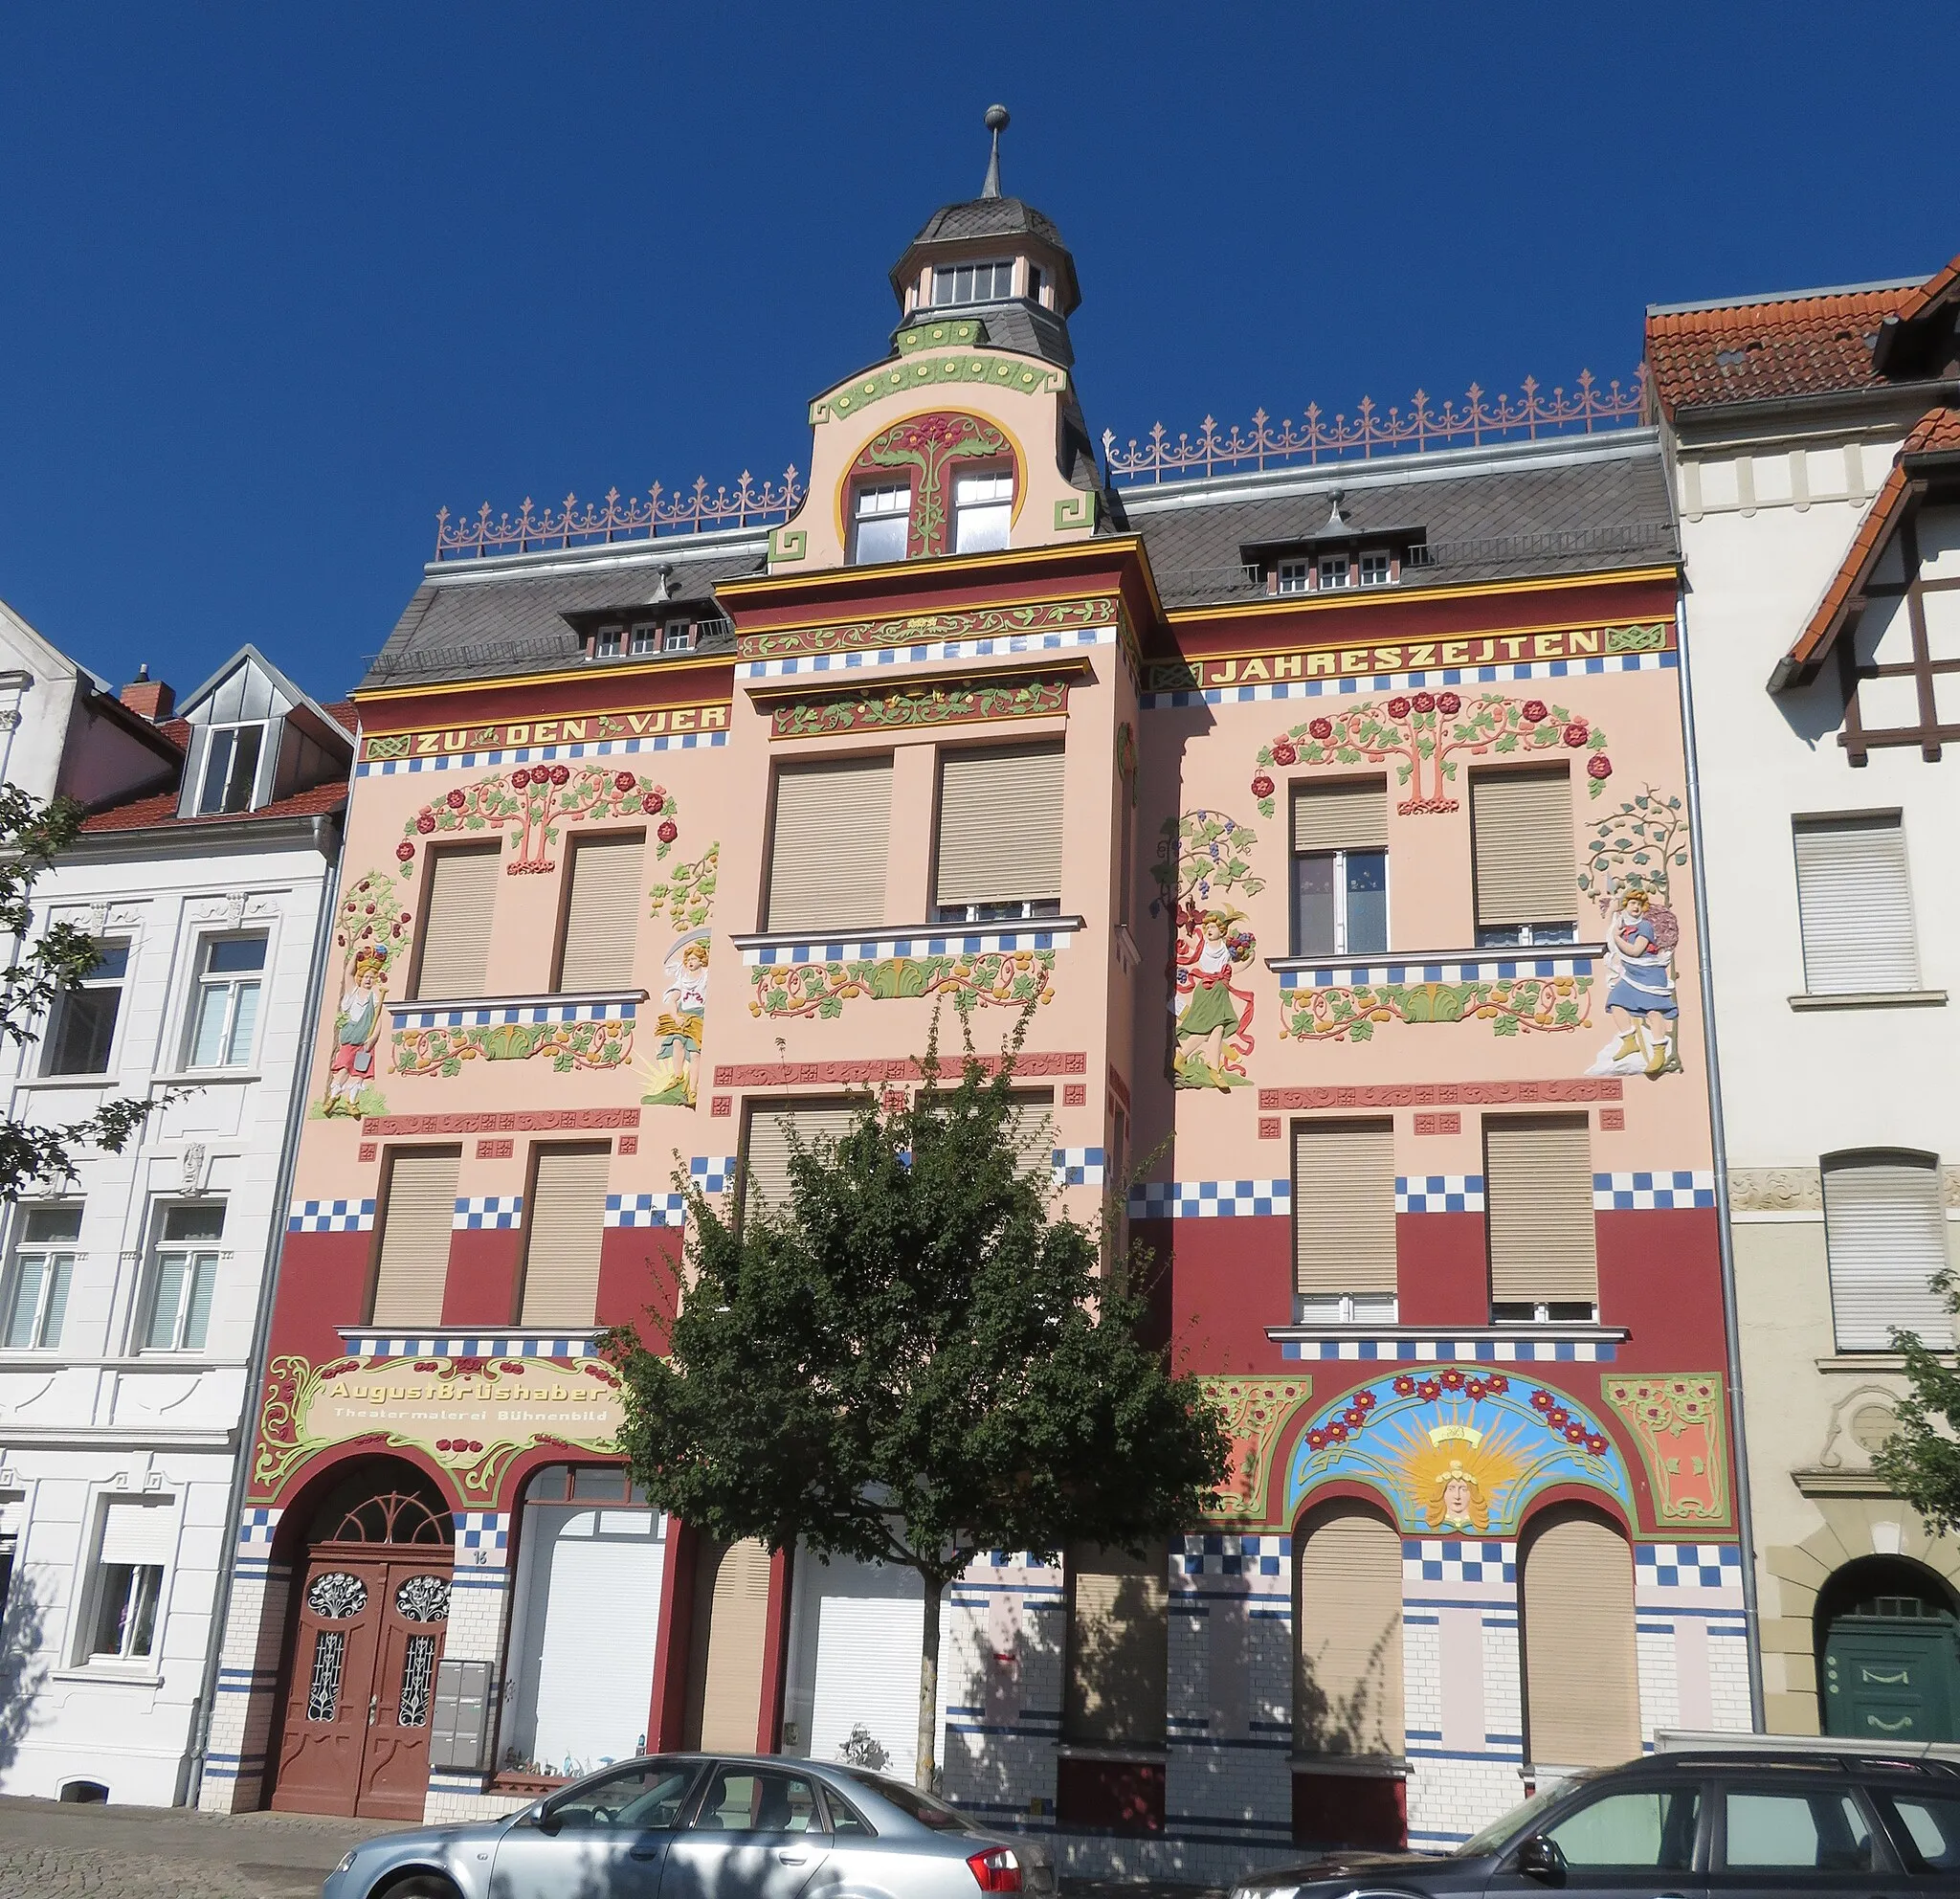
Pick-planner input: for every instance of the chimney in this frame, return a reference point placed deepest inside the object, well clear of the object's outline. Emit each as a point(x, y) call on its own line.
point(151, 698)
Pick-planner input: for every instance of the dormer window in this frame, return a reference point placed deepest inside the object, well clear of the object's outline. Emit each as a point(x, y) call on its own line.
point(1375, 568)
point(679, 637)
point(883, 518)
point(606, 642)
point(230, 769)
point(1333, 571)
point(983, 510)
point(1037, 283)
point(1294, 576)
point(646, 637)
point(972, 283)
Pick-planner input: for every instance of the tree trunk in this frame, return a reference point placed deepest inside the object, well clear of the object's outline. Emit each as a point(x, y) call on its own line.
point(928, 1687)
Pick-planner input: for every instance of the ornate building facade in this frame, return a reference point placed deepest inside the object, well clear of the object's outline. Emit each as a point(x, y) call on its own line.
point(1816, 455)
point(1330, 823)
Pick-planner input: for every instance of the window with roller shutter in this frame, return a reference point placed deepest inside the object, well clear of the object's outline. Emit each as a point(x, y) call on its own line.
point(417, 1212)
point(1344, 1221)
point(1578, 1626)
point(1341, 868)
point(1855, 906)
point(774, 1134)
point(602, 909)
point(1538, 1200)
point(999, 847)
point(731, 1582)
point(827, 845)
point(1347, 1622)
point(458, 896)
point(1119, 1634)
point(1520, 841)
point(566, 1225)
point(1885, 1236)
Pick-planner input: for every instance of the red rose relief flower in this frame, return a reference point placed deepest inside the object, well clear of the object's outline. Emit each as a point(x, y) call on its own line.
point(1365, 1399)
point(1321, 729)
point(1498, 1381)
point(1599, 767)
point(1448, 702)
point(1576, 1434)
point(668, 832)
point(1398, 708)
point(405, 850)
point(1596, 1444)
point(1541, 1401)
point(1474, 1387)
point(1576, 733)
point(1452, 1380)
point(426, 824)
point(1262, 787)
point(442, 1443)
point(1405, 1386)
point(1424, 701)
point(456, 800)
point(1317, 1441)
point(1354, 1418)
point(520, 778)
point(622, 781)
point(1338, 1432)
point(1428, 1391)
point(1557, 1417)
point(1534, 710)
point(561, 774)
point(1283, 753)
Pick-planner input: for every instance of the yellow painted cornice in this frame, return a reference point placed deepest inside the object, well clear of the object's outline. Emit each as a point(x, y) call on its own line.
point(602, 669)
point(757, 588)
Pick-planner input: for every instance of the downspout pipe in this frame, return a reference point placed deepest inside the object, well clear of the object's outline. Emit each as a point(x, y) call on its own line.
point(328, 840)
point(1730, 1324)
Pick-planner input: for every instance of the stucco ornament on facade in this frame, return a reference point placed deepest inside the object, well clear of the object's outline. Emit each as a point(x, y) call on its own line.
point(687, 896)
point(1678, 1420)
point(531, 803)
point(1627, 866)
point(1351, 1012)
point(1423, 734)
point(1256, 1413)
point(929, 446)
point(442, 1048)
point(1202, 860)
point(1028, 620)
point(370, 929)
point(1008, 978)
point(914, 706)
point(1457, 1450)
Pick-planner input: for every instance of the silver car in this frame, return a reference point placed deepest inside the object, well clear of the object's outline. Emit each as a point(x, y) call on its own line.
point(699, 1826)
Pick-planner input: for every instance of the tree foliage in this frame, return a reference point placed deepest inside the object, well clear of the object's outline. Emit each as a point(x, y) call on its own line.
point(914, 1360)
point(32, 834)
point(1922, 1461)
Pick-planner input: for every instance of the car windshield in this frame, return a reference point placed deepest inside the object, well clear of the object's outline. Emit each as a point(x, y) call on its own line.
point(1517, 1821)
point(922, 1807)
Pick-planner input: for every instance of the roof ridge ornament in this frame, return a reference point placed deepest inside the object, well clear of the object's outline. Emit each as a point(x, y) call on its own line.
point(996, 123)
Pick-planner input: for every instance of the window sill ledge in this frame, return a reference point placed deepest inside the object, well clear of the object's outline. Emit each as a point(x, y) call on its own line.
point(558, 999)
point(107, 1080)
point(1362, 1767)
point(1119, 1756)
point(1874, 999)
point(1860, 1362)
point(1546, 1329)
point(108, 1673)
point(1413, 961)
point(204, 1078)
point(872, 942)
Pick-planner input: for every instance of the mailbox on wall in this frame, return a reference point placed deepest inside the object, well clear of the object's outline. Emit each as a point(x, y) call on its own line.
point(459, 1734)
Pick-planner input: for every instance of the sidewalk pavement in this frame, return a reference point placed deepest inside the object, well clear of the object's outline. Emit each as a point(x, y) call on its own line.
point(48, 1850)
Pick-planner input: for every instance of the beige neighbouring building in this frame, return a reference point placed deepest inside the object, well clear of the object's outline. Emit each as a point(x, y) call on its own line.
point(1813, 447)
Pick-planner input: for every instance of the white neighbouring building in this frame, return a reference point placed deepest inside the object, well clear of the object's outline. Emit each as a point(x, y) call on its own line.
point(132, 1295)
point(1815, 452)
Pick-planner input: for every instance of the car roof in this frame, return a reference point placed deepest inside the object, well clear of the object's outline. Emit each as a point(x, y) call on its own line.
point(1772, 1759)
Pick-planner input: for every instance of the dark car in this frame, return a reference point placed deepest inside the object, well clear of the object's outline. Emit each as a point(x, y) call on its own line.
point(1749, 1823)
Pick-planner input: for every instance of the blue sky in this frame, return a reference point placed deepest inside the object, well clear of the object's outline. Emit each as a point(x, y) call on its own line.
point(279, 281)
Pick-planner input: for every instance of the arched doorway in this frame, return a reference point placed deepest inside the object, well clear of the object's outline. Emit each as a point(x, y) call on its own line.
point(372, 1605)
point(1888, 1653)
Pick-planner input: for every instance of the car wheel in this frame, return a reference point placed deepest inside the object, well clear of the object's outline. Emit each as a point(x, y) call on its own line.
point(418, 1886)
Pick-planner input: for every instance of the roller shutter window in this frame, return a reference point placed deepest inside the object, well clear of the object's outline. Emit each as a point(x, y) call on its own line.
point(1341, 818)
point(138, 1532)
point(601, 914)
point(1885, 1236)
point(1520, 828)
point(1118, 1636)
point(827, 850)
point(1538, 1192)
point(999, 830)
point(1347, 1654)
point(769, 1148)
point(725, 1679)
point(417, 1213)
point(1344, 1207)
point(457, 906)
point(1581, 1694)
point(1855, 907)
point(567, 1223)
point(1031, 1133)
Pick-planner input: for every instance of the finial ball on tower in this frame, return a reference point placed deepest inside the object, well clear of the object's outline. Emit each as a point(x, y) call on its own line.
point(996, 118)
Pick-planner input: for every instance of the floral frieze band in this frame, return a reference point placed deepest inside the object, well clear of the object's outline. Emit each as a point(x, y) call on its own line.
point(1346, 1005)
point(905, 706)
point(530, 804)
point(1255, 1412)
point(1039, 617)
point(1009, 978)
point(1678, 1421)
point(568, 1036)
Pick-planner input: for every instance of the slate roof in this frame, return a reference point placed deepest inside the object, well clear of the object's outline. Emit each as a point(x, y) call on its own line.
point(1588, 510)
point(466, 623)
point(988, 217)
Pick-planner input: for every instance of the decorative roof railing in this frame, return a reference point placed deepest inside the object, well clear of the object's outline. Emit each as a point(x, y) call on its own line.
point(1369, 432)
point(688, 511)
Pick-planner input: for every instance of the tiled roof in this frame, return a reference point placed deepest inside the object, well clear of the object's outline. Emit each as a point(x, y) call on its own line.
point(153, 813)
point(1585, 513)
point(344, 713)
point(1918, 301)
point(1936, 433)
point(1752, 352)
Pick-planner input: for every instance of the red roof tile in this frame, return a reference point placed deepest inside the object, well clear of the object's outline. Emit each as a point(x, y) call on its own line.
point(1917, 302)
point(345, 713)
point(155, 813)
point(1751, 352)
point(1936, 433)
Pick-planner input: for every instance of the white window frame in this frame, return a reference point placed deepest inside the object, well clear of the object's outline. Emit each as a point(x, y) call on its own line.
point(950, 276)
point(95, 984)
point(1346, 1308)
point(608, 642)
point(204, 983)
point(875, 505)
point(207, 753)
point(645, 638)
point(1509, 1315)
point(54, 1255)
point(971, 509)
point(197, 1256)
point(678, 637)
point(1005, 912)
point(97, 1596)
point(1340, 859)
point(1333, 573)
point(1525, 935)
point(1293, 577)
point(1377, 567)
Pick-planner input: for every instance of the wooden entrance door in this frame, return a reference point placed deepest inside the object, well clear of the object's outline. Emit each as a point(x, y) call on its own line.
point(1891, 1678)
point(369, 1635)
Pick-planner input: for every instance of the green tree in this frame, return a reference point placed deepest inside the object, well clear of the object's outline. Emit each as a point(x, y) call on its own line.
point(1922, 1460)
point(914, 1360)
point(32, 835)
